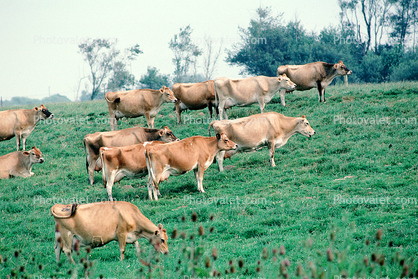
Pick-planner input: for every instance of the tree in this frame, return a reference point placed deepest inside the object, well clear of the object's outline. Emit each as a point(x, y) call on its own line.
point(210, 58)
point(185, 54)
point(99, 54)
point(371, 14)
point(121, 78)
point(263, 45)
point(153, 79)
point(403, 19)
point(102, 57)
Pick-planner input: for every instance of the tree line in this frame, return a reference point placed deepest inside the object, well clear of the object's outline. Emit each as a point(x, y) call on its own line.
point(375, 38)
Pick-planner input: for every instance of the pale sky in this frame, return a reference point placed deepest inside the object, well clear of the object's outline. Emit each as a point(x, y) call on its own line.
point(39, 39)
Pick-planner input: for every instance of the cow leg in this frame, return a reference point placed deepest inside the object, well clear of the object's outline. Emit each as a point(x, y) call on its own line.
point(156, 190)
point(122, 244)
point(323, 95)
point(320, 90)
point(24, 142)
point(67, 242)
point(113, 121)
point(138, 250)
point(18, 142)
point(58, 245)
point(262, 104)
point(220, 160)
point(198, 172)
point(210, 109)
point(149, 186)
point(222, 110)
point(178, 112)
point(282, 97)
point(271, 153)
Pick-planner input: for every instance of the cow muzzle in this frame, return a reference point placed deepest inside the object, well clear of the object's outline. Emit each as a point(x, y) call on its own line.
point(349, 72)
point(41, 160)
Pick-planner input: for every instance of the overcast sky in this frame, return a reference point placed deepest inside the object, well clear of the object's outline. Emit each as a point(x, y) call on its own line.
point(39, 39)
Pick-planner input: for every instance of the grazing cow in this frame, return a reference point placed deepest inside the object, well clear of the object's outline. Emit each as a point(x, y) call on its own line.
point(253, 132)
point(19, 163)
point(136, 103)
point(313, 75)
point(96, 224)
point(250, 90)
point(129, 136)
point(194, 96)
point(119, 162)
point(194, 153)
point(21, 122)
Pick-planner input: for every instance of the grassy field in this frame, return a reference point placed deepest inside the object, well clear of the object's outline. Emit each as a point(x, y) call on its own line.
point(343, 202)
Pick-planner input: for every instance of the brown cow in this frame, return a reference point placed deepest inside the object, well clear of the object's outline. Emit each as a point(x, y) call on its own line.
point(250, 90)
point(21, 122)
point(253, 132)
point(19, 163)
point(194, 153)
point(313, 75)
point(119, 162)
point(129, 136)
point(96, 224)
point(136, 103)
point(194, 96)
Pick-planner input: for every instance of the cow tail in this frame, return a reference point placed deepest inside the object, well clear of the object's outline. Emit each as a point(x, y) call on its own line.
point(210, 126)
point(150, 166)
point(104, 170)
point(216, 99)
point(85, 152)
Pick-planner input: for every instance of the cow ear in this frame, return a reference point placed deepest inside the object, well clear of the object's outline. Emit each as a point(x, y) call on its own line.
point(218, 136)
point(161, 133)
point(284, 75)
point(303, 116)
point(166, 128)
point(162, 89)
point(335, 66)
point(35, 108)
point(26, 153)
point(341, 62)
point(156, 233)
point(160, 226)
point(280, 78)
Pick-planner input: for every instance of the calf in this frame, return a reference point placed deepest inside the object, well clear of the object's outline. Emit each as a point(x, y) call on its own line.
point(194, 153)
point(313, 75)
point(19, 163)
point(93, 142)
point(119, 162)
point(20, 123)
point(135, 103)
point(96, 224)
point(250, 133)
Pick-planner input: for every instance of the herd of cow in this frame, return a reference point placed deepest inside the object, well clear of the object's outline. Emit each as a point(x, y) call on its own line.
point(159, 153)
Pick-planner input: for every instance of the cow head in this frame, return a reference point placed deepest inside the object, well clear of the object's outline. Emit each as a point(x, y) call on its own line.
point(44, 113)
point(160, 240)
point(341, 69)
point(168, 95)
point(224, 143)
point(35, 155)
point(286, 83)
point(304, 127)
point(167, 135)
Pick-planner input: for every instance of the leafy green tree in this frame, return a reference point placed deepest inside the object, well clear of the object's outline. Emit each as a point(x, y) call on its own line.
point(185, 54)
point(103, 57)
point(121, 78)
point(153, 79)
point(403, 19)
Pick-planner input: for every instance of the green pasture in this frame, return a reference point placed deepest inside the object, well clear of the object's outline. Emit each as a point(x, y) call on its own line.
point(344, 202)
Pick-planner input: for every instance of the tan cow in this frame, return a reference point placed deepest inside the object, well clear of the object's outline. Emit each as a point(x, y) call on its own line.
point(313, 75)
point(136, 103)
point(19, 163)
point(250, 90)
point(194, 153)
point(194, 96)
point(253, 132)
point(129, 136)
point(119, 162)
point(20, 123)
point(96, 224)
